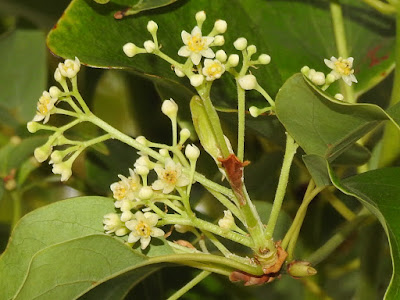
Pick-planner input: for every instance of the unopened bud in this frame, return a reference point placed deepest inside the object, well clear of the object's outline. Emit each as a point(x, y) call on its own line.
point(145, 193)
point(179, 72)
point(251, 50)
point(240, 44)
point(32, 127)
point(221, 56)
point(318, 78)
point(264, 59)
point(219, 40)
point(220, 26)
point(196, 80)
point(200, 17)
point(149, 46)
point(227, 222)
point(339, 96)
point(248, 82)
point(54, 92)
point(299, 269)
point(170, 108)
point(130, 49)
point(192, 152)
point(254, 111)
point(233, 60)
point(152, 27)
point(305, 70)
point(184, 134)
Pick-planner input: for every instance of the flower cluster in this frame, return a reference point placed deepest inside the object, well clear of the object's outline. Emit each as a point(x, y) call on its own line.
point(342, 68)
point(210, 64)
point(63, 158)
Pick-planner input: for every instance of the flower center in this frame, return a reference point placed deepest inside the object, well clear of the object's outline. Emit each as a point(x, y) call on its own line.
point(143, 229)
point(42, 108)
point(214, 69)
point(120, 192)
point(196, 43)
point(343, 67)
point(170, 177)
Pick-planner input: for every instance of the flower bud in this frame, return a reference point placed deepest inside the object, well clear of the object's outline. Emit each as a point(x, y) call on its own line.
point(54, 92)
point(131, 50)
point(251, 50)
point(126, 216)
point(152, 27)
point(184, 134)
point(305, 70)
point(70, 67)
point(142, 170)
point(221, 56)
point(192, 152)
point(220, 26)
point(145, 193)
point(200, 17)
point(42, 153)
point(219, 40)
point(264, 59)
point(58, 77)
point(254, 111)
point(183, 228)
point(240, 44)
point(196, 80)
point(57, 157)
point(299, 269)
point(149, 46)
point(170, 108)
point(233, 60)
point(248, 82)
point(32, 127)
point(227, 222)
point(164, 152)
point(179, 72)
point(339, 97)
point(330, 78)
point(318, 78)
point(141, 140)
point(64, 169)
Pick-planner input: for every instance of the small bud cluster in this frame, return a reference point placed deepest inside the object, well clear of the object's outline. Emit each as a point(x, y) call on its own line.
point(341, 69)
point(198, 49)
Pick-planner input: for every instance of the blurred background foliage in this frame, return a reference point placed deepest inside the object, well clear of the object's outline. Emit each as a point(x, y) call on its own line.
point(131, 103)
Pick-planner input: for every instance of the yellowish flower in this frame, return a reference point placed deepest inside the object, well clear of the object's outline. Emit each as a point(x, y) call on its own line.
point(342, 68)
point(213, 69)
point(196, 45)
point(143, 228)
point(44, 107)
point(169, 177)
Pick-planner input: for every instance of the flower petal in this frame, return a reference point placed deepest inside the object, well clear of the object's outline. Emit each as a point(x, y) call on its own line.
point(195, 57)
point(329, 63)
point(144, 242)
point(208, 53)
point(185, 37)
point(184, 51)
point(157, 232)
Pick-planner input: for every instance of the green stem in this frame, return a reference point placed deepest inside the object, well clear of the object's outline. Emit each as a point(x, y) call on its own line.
point(227, 203)
point(17, 207)
point(341, 44)
point(207, 226)
point(339, 206)
point(189, 285)
point(241, 121)
point(78, 96)
point(217, 244)
point(291, 148)
point(265, 95)
point(380, 6)
point(344, 231)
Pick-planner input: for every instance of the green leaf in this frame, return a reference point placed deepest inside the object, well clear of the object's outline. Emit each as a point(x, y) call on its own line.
point(316, 165)
point(23, 74)
point(307, 115)
point(379, 191)
point(270, 26)
point(72, 227)
point(142, 5)
point(56, 272)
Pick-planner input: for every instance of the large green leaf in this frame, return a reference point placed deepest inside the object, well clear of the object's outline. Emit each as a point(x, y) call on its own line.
point(71, 226)
point(307, 114)
point(269, 24)
point(379, 191)
point(23, 74)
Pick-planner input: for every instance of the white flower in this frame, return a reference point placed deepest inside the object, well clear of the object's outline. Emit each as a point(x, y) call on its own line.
point(64, 169)
point(169, 177)
point(213, 69)
point(70, 67)
point(196, 46)
point(112, 223)
point(342, 68)
point(143, 228)
point(227, 222)
point(122, 190)
point(44, 107)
